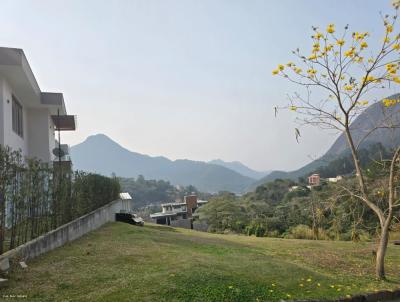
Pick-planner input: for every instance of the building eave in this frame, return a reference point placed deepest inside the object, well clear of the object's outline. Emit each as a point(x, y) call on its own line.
point(54, 101)
point(14, 67)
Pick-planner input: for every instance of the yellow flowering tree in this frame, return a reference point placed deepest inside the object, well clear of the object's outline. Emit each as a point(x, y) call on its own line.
point(345, 71)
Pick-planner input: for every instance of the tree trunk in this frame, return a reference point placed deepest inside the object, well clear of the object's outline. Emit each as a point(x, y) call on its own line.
point(381, 252)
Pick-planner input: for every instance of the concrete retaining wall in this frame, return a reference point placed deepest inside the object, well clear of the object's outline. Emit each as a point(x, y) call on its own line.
point(64, 233)
point(182, 223)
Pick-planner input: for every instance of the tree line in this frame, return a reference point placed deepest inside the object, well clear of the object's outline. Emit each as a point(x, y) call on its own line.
point(36, 197)
point(155, 192)
point(289, 209)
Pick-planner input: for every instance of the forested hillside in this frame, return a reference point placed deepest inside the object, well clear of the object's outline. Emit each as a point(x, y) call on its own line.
point(371, 120)
point(288, 208)
point(150, 191)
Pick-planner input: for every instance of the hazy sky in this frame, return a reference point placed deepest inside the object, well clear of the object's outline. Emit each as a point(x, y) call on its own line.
point(183, 79)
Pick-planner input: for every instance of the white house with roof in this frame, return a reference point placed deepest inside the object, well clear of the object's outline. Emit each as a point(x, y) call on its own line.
point(29, 117)
point(178, 211)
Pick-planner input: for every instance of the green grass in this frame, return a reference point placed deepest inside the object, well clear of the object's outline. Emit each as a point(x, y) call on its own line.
point(120, 262)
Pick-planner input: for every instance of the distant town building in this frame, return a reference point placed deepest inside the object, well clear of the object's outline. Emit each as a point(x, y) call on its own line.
point(335, 179)
point(177, 213)
point(314, 179)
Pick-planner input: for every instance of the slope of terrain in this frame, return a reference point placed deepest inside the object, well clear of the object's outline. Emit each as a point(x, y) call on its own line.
point(240, 168)
point(100, 154)
point(120, 262)
point(372, 117)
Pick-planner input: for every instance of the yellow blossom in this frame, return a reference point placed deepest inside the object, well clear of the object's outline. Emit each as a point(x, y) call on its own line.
point(275, 71)
point(331, 28)
point(348, 87)
point(396, 46)
point(359, 59)
point(349, 53)
point(298, 70)
point(293, 108)
point(312, 57)
point(369, 78)
point(389, 102)
point(340, 42)
point(363, 44)
point(318, 35)
point(386, 40)
point(370, 60)
point(311, 72)
point(328, 47)
point(281, 67)
point(389, 28)
point(290, 64)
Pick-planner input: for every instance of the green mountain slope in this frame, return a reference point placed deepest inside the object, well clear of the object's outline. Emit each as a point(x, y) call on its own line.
point(373, 116)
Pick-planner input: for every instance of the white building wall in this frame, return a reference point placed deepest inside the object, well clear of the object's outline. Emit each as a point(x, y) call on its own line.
point(39, 134)
point(12, 139)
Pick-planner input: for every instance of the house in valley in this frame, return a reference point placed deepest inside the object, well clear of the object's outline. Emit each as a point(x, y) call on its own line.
point(314, 180)
point(29, 117)
point(179, 213)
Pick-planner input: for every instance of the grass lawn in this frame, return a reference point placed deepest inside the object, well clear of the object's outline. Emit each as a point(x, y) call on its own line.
point(120, 262)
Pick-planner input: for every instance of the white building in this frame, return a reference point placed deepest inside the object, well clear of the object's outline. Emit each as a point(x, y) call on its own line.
point(176, 211)
point(29, 117)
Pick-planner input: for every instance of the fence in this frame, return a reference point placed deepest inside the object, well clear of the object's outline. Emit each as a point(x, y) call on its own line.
point(64, 233)
point(36, 198)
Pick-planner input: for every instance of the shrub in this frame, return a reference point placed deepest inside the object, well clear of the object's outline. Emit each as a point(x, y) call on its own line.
point(36, 197)
point(300, 231)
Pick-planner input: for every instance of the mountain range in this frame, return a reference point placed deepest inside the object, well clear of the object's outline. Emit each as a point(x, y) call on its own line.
point(240, 168)
point(100, 154)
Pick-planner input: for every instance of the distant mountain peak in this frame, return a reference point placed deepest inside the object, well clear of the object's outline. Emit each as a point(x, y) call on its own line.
point(240, 168)
point(100, 154)
point(99, 137)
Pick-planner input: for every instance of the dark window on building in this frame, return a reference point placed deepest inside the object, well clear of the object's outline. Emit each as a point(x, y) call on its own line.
point(17, 117)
